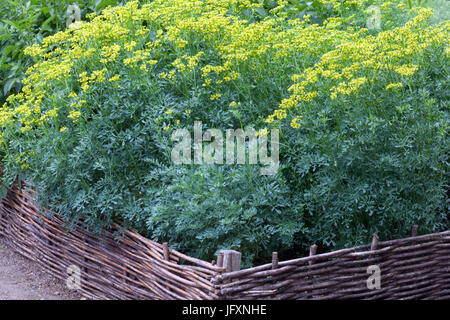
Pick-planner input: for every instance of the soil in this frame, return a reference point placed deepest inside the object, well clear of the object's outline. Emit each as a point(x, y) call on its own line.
point(23, 279)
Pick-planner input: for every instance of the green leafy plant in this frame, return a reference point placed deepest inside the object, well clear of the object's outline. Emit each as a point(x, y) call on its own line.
point(26, 22)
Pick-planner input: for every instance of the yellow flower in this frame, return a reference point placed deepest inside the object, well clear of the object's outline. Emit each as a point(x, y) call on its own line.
point(110, 53)
point(114, 78)
point(269, 119)
point(394, 86)
point(323, 61)
point(295, 124)
point(406, 69)
point(130, 45)
point(280, 114)
point(53, 113)
point(85, 87)
point(75, 115)
point(295, 77)
point(215, 96)
point(262, 132)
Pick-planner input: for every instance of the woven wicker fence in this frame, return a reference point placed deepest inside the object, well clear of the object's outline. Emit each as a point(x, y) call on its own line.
point(130, 268)
point(410, 268)
point(134, 267)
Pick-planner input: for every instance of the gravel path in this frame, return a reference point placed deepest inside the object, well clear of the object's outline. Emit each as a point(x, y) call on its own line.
point(22, 279)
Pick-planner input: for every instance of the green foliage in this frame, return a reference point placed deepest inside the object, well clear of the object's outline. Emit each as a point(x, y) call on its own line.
point(440, 7)
point(364, 170)
point(208, 208)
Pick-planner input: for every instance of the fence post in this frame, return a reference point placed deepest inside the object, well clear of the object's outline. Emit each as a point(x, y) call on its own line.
point(374, 244)
point(274, 266)
point(220, 259)
point(373, 248)
point(274, 260)
point(231, 260)
point(414, 230)
point(166, 251)
point(312, 252)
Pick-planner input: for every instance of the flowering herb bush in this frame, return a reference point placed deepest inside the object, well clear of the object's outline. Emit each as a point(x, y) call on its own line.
point(363, 116)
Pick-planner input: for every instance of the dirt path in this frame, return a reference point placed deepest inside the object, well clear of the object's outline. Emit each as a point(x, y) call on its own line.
point(22, 279)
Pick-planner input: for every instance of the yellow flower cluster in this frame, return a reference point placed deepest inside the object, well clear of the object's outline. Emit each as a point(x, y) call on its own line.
point(110, 53)
point(96, 76)
point(362, 59)
point(335, 60)
point(406, 70)
point(215, 96)
point(394, 86)
point(347, 88)
point(140, 58)
point(295, 122)
point(75, 115)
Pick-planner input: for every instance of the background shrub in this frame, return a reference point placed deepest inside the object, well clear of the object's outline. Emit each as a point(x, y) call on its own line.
point(26, 22)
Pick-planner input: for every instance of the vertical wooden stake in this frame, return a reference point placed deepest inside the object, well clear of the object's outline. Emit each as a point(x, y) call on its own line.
point(229, 258)
point(374, 244)
point(220, 259)
point(274, 264)
point(373, 248)
point(166, 251)
point(85, 273)
point(274, 260)
point(414, 230)
point(312, 252)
